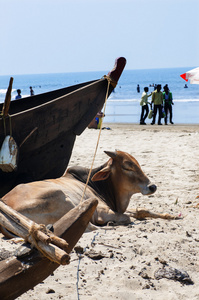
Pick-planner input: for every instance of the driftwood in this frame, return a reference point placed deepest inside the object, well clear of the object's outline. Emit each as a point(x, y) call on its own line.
point(19, 274)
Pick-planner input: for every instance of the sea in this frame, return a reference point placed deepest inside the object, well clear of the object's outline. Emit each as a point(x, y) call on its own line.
point(123, 104)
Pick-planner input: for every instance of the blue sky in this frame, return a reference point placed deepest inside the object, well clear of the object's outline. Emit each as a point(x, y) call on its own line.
point(45, 36)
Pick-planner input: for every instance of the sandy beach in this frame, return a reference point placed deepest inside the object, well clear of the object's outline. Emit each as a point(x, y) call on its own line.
point(124, 262)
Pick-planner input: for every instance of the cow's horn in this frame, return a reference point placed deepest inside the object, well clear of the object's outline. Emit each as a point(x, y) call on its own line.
point(111, 154)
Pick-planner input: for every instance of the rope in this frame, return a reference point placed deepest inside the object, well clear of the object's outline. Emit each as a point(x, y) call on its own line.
point(33, 233)
point(4, 123)
point(27, 137)
point(112, 82)
point(10, 125)
point(89, 174)
point(80, 256)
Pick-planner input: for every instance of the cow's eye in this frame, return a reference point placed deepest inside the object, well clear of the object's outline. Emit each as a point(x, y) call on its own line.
point(126, 169)
point(126, 166)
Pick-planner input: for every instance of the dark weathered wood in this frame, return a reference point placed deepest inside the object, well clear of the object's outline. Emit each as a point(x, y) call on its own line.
point(46, 126)
point(6, 104)
point(18, 275)
point(120, 63)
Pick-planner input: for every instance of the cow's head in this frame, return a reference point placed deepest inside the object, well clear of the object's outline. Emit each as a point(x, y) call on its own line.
point(127, 177)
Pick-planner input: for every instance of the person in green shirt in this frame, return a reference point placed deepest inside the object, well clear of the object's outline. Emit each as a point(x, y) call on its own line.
point(168, 102)
point(157, 100)
point(144, 104)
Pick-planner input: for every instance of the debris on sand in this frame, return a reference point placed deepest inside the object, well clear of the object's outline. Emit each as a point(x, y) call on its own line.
point(173, 274)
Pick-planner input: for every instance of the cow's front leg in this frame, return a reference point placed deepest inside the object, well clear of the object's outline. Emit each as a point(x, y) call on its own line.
point(142, 213)
point(103, 214)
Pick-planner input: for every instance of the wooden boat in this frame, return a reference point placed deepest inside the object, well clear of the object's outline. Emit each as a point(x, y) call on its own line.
point(25, 269)
point(45, 126)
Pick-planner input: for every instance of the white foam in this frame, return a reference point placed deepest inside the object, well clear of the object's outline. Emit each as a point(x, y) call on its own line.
point(123, 100)
point(3, 91)
point(138, 100)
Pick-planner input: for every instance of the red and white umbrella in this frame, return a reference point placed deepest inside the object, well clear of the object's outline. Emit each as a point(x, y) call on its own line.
point(192, 75)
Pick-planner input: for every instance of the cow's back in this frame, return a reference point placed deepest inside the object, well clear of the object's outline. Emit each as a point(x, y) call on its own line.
point(48, 200)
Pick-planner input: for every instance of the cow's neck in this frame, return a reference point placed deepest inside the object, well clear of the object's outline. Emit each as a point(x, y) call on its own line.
point(104, 189)
point(122, 201)
point(117, 201)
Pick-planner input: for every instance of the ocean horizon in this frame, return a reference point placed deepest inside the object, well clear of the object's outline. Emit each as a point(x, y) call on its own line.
point(123, 104)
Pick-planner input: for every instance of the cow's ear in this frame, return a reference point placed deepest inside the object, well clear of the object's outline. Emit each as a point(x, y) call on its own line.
point(102, 174)
point(111, 154)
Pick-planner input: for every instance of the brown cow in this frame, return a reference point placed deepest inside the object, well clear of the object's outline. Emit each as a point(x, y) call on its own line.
point(112, 184)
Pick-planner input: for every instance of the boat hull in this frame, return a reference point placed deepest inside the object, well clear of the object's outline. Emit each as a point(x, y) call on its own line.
point(45, 134)
point(45, 127)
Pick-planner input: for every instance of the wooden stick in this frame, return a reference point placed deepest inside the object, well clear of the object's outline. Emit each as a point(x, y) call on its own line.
point(6, 104)
point(19, 275)
point(54, 253)
point(30, 231)
point(19, 224)
point(59, 242)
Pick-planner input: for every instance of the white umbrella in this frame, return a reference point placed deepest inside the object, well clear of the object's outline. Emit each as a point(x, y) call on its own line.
point(192, 75)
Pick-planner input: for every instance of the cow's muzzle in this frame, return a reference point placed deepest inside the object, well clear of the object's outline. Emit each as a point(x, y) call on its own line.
point(149, 189)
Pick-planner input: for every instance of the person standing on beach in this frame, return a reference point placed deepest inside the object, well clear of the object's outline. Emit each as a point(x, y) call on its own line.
point(157, 100)
point(18, 94)
point(138, 88)
point(31, 91)
point(144, 104)
point(168, 102)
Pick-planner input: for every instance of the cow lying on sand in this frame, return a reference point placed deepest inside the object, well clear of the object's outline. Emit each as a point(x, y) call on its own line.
point(112, 184)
